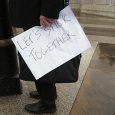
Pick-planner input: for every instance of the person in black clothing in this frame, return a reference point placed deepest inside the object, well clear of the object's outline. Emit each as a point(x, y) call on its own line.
point(26, 14)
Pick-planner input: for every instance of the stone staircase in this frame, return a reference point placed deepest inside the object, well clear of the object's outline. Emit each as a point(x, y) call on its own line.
point(97, 28)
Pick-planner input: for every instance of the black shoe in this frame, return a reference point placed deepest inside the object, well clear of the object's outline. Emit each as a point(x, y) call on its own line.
point(35, 94)
point(38, 108)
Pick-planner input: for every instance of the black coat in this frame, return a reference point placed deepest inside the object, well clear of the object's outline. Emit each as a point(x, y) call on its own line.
point(66, 73)
point(26, 13)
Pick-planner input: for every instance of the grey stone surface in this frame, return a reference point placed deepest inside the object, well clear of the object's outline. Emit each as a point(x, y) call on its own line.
point(98, 84)
point(14, 105)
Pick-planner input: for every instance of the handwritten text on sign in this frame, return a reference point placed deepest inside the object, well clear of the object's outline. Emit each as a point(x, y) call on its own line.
point(45, 49)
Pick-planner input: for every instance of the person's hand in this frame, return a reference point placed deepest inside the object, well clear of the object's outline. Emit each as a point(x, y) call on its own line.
point(46, 22)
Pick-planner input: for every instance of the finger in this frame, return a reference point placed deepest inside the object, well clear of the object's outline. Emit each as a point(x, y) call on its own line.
point(42, 18)
point(46, 23)
point(42, 23)
point(50, 20)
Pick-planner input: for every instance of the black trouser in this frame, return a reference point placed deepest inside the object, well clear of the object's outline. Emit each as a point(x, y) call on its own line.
point(47, 91)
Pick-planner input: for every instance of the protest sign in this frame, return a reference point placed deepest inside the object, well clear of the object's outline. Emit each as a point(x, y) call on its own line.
point(45, 49)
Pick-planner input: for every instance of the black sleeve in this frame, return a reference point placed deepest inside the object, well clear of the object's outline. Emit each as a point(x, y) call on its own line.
point(51, 8)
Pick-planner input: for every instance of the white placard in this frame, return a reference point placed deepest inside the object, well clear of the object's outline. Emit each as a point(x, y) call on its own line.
point(45, 49)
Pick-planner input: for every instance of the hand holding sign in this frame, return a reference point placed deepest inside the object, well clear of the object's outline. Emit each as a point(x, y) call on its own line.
point(45, 49)
point(46, 22)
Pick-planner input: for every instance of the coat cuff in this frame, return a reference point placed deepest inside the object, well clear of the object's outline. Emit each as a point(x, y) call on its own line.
point(51, 8)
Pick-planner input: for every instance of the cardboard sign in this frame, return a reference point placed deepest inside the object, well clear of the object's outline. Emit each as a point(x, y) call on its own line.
point(45, 49)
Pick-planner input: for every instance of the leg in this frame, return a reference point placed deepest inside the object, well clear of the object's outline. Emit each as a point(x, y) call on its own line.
point(46, 104)
point(36, 95)
point(47, 93)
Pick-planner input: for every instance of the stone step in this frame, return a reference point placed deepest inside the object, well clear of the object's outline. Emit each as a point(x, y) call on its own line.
point(102, 39)
point(98, 26)
point(99, 30)
point(93, 15)
point(96, 95)
point(85, 14)
point(96, 20)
